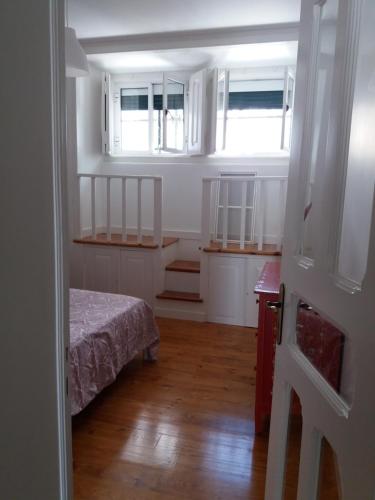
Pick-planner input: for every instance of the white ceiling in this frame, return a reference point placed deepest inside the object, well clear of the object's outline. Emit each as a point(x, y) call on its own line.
point(103, 18)
point(251, 55)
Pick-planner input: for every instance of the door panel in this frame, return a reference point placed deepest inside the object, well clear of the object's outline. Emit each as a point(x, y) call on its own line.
point(101, 269)
point(293, 449)
point(227, 290)
point(136, 275)
point(326, 354)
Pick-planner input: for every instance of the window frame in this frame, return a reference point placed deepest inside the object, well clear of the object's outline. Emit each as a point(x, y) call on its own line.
point(117, 85)
point(223, 74)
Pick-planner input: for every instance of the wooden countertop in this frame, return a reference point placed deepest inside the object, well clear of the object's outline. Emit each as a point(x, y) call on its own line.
point(269, 279)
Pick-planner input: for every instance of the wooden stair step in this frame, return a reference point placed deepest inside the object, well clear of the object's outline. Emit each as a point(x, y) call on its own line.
point(184, 266)
point(185, 296)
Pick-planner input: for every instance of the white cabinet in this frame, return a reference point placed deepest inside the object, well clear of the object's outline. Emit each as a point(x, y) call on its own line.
point(114, 270)
point(231, 282)
point(101, 269)
point(136, 274)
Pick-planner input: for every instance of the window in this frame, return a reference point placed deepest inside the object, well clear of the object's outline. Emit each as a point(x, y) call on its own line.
point(149, 117)
point(134, 120)
point(253, 115)
point(250, 111)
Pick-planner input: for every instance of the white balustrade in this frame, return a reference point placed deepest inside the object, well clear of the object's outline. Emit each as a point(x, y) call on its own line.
point(216, 206)
point(124, 206)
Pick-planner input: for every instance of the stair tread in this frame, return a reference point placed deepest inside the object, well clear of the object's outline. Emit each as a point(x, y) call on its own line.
point(186, 296)
point(184, 266)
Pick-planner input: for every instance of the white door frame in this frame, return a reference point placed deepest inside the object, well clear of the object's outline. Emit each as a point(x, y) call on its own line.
point(35, 421)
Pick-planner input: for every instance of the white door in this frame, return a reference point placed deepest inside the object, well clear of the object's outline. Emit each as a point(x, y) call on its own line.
point(327, 350)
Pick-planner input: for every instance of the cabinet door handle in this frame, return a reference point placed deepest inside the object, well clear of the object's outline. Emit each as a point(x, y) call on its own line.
point(274, 306)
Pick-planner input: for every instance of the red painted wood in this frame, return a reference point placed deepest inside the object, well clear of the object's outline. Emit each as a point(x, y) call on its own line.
point(320, 341)
point(269, 279)
point(267, 287)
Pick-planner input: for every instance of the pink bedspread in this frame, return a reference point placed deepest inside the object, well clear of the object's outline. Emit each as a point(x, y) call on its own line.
point(106, 332)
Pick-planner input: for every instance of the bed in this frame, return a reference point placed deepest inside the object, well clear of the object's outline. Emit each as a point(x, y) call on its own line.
point(106, 332)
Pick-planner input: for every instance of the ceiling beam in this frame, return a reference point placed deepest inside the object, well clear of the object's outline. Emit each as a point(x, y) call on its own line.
point(195, 38)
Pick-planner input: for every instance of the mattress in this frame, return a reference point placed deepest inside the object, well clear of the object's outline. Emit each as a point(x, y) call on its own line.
point(106, 332)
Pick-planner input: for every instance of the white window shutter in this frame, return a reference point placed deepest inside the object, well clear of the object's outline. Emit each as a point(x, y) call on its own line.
point(197, 113)
point(106, 113)
point(212, 79)
point(288, 105)
point(221, 106)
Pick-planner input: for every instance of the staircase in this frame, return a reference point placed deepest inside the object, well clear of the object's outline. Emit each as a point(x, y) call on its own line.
point(182, 281)
point(179, 295)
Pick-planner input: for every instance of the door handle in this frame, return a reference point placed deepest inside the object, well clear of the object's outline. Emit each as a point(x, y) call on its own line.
point(278, 306)
point(303, 305)
point(274, 306)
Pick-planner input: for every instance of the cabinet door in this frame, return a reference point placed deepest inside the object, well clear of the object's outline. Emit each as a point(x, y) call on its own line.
point(101, 269)
point(227, 290)
point(136, 275)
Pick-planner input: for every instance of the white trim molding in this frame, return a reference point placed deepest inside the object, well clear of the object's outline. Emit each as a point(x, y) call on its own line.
point(283, 32)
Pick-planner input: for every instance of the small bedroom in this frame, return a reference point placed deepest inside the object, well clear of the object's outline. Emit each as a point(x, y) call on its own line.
point(218, 239)
point(177, 180)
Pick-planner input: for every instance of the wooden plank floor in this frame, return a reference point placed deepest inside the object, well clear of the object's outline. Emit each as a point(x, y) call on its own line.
point(181, 428)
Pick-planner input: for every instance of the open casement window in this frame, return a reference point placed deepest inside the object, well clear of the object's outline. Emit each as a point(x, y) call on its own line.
point(253, 115)
point(150, 118)
point(197, 113)
point(173, 115)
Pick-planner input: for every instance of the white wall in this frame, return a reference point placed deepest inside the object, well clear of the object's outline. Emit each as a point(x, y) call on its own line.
point(182, 176)
point(182, 188)
point(89, 145)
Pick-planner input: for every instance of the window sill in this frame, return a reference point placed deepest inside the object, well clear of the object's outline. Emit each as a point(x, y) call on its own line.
point(280, 154)
point(147, 156)
point(221, 156)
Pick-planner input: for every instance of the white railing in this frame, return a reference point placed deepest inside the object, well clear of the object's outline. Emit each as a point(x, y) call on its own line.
point(124, 206)
point(216, 209)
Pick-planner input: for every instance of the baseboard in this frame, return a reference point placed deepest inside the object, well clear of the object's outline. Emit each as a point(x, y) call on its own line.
point(167, 312)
